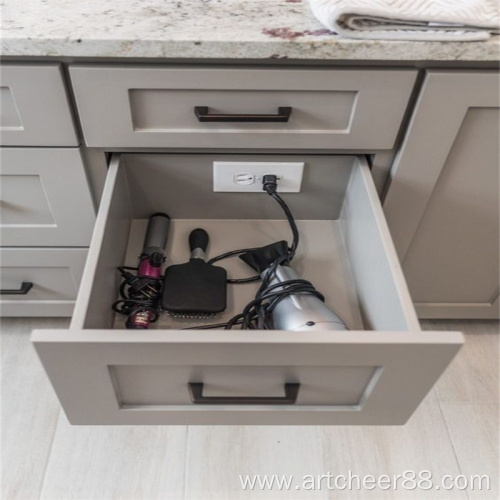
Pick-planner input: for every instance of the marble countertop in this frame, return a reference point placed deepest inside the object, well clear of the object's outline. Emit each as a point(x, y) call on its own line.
point(201, 29)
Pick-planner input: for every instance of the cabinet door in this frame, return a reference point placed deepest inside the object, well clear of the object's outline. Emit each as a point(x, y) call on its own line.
point(443, 201)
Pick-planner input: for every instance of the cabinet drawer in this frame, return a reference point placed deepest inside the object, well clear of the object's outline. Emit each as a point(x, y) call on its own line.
point(375, 373)
point(34, 106)
point(40, 281)
point(46, 199)
point(155, 107)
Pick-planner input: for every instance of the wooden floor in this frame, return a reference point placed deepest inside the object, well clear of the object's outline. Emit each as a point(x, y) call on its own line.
point(455, 431)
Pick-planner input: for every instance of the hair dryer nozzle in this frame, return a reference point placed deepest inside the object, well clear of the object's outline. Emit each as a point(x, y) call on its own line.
point(261, 258)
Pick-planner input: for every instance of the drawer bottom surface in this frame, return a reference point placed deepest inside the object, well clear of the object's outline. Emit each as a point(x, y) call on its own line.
point(321, 258)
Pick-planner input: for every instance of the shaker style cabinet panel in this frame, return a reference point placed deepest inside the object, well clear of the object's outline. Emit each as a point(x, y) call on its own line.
point(45, 198)
point(442, 205)
point(141, 106)
point(34, 106)
point(40, 281)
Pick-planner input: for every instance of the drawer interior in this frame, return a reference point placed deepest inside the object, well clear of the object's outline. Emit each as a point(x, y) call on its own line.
point(322, 259)
point(344, 250)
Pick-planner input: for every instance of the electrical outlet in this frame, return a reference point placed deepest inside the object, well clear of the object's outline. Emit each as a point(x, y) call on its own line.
point(246, 176)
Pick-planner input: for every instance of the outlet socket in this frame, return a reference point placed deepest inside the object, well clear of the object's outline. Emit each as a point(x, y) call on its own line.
point(246, 176)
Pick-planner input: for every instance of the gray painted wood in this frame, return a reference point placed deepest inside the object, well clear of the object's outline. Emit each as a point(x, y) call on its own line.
point(97, 168)
point(182, 186)
point(107, 250)
point(154, 106)
point(382, 292)
point(54, 272)
point(34, 106)
point(92, 372)
point(443, 202)
point(378, 376)
point(381, 166)
point(45, 198)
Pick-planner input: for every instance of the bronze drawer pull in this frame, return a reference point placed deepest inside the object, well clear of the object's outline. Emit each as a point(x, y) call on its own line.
point(26, 286)
point(203, 115)
point(196, 394)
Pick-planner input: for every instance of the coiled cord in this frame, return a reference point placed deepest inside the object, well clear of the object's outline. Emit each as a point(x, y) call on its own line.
point(138, 294)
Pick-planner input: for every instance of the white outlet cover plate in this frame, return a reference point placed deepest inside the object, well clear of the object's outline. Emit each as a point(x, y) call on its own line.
point(226, 174)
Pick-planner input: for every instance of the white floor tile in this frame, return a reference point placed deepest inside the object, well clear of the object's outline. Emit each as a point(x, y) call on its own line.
point(29, 410)
point(474, 433)
point(116, 462)
point(473, 376)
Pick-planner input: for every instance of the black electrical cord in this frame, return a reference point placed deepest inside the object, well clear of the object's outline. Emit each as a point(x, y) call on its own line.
point(232, 253)
point(270, 187)
point(257, 313)
point(138, 294)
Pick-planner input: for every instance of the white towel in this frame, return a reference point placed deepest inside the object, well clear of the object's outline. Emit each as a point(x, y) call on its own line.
point(425, 20)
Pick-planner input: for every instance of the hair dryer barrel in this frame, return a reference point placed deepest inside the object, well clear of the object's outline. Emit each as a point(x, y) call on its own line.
point(302, 311)
point(156, 236)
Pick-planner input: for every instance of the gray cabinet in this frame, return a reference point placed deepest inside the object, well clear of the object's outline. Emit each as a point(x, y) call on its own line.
point(46, 208)
point(442, 205)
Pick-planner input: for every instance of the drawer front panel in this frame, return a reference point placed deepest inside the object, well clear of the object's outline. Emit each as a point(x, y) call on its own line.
point(34, 106)
point(46, 199)
point(156, 107)
point(345, 378)
point(40, 281)
point(379, 376)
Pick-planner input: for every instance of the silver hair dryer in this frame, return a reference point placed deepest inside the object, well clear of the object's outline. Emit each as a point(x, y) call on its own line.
point(301, 311)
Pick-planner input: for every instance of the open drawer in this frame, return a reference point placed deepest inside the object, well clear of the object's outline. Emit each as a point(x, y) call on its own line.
point(376, 373)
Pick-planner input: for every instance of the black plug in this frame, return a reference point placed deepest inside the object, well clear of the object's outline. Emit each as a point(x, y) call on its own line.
point(270, 183)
